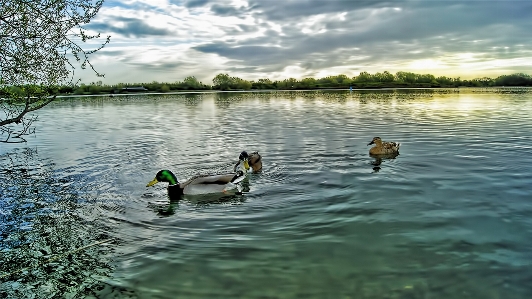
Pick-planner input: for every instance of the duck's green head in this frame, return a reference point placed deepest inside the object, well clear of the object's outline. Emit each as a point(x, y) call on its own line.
point(163, 176)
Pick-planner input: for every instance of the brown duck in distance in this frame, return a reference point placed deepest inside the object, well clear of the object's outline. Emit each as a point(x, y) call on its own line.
point(246, 161)
point(383, 147)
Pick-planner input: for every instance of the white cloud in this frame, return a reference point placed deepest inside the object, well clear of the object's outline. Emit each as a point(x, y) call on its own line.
point(153, 3)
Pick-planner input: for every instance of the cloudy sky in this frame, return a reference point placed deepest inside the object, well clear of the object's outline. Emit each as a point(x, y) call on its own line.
point(168, 40)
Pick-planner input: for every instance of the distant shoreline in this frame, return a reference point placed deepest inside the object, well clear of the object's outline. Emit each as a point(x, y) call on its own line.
point(282, 90)
point(227, 83)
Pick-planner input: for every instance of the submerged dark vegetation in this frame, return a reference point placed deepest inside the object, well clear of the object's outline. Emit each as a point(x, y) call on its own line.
point(226, 82)
point(50, 246)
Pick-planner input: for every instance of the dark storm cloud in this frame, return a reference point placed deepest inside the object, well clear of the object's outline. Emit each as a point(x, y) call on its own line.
point(285, 10)
point(111, 53)
point(292, 9)
point(225, 10)
point(195, 3)
point(246, 53)
point(248, 28)
point(133, 28)
point(159, 67)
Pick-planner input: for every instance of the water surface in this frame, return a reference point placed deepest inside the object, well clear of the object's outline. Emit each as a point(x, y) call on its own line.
point(450, 217)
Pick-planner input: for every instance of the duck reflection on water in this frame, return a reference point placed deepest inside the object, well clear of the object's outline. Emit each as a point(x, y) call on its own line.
point(378, 159)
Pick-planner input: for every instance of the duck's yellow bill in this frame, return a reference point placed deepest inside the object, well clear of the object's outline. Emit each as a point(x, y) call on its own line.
point(246, 164)
point(153, 182)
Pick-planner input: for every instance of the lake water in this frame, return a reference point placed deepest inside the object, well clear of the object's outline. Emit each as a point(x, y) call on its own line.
point(450, 217)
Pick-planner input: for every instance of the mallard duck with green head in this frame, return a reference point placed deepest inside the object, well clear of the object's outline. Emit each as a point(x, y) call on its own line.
point(247, 161)
point(201, 184)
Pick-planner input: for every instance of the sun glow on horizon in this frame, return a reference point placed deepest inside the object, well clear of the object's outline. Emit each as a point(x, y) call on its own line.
point(424, 64)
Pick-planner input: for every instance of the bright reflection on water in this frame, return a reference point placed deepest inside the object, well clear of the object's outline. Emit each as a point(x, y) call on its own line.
point(450, 217)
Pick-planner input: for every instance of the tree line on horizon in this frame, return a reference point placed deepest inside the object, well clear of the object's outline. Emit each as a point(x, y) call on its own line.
point(363, 80)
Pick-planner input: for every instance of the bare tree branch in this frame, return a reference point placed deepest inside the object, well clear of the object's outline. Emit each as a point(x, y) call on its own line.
point(27, 109)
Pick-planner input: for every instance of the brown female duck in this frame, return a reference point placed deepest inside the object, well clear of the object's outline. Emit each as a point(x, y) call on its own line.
point(383, 147)
point(247, 161)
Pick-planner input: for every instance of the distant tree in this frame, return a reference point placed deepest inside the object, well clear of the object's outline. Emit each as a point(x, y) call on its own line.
point(222, 81)
point(425, 78)
point(342, 81)
point(444, 81)
point(37, 39)
point(363, 77)
point(406, 77)
point(484, 81)
point(79, 91)
point(308, 83)
point(281, 84)
point(291, 82)
point(387, 77)
point(346, 82)
point(518, 79)
point(66, 89)
point(241, 84)
point(94, 89)
point(341, 77)
point(263, 84)
point(378, 77)
point(192, 83)
point(165, 88)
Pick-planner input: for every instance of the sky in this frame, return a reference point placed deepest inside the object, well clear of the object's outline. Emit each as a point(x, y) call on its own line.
point(168, 40)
